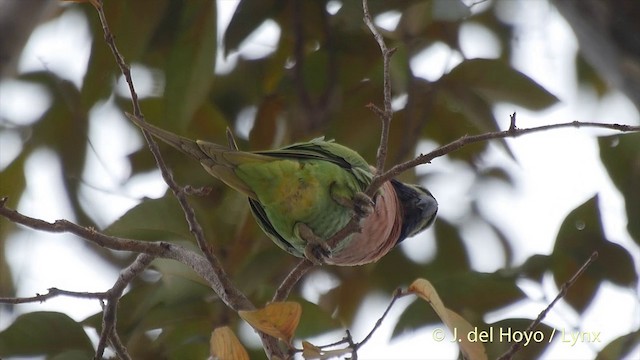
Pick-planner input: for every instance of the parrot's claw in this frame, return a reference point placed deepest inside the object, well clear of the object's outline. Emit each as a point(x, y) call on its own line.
point(316, 250)
point(363, 205)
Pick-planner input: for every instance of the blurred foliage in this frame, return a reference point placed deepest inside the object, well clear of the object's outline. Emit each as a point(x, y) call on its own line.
point(317, 80)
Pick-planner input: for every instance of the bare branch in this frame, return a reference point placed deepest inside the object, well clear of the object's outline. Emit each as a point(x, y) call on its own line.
point(396, 295)
point(466, 140)
point(563, 291)
point(385, 114)
point(114, 294)
point(194, 226)
point(352, 346)
point(53, 292)
point(226, 286)
point(282, 293)
point(353, 225)
point(235, 300)
point(118, 346)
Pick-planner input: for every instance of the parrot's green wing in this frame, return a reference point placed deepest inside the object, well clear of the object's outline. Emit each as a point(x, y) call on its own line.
point(265, 224)
point(315, 150)
point(326, 150)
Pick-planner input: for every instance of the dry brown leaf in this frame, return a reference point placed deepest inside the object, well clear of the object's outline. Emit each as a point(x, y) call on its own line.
point(310, 351)
point(456, 323)
point(278, 319)
point(224, 345)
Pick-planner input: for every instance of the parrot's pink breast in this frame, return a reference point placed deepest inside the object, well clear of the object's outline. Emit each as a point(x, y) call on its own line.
point(380, 232)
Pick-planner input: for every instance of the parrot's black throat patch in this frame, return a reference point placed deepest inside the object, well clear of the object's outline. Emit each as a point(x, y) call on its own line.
point(419, 208)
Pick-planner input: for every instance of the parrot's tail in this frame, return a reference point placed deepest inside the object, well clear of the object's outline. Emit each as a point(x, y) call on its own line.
point(218, 160)
point(183, 144)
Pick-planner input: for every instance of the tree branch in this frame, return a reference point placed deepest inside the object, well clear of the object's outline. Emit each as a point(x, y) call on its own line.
point(385, 114)
point(353, 225)
point(236, 301)
point(216, 275)
point(194, 225)
point(224, 288)
point(109, 317)
point(51, 293)
point(282, 293)
point(512, 132)
point(515, 347)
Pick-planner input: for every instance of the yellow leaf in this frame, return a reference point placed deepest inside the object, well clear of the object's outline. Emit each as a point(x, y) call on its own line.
point(278, 319)
point(425, 290)
point(225, 345)
point(455, 322)
point(310, 351)
point(471, 350)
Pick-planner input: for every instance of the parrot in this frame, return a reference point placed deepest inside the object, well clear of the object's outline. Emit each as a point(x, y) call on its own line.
point(302, 194)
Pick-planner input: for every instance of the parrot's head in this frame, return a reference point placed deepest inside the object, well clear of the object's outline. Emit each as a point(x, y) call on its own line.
point(419, 208)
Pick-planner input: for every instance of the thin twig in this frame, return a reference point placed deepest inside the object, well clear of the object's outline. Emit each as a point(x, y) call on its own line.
point(282, 293)
point(512, 122)
point(114, 294)
point(562, 293)
point(227, 289)
point(194, 226)
point(385, 114)
point(158, 248)
point(348, 339)
point(466, 140)
point(224, 287)
point(118, 346)
point(53, 292)
point(396, 295)
point(353, 225)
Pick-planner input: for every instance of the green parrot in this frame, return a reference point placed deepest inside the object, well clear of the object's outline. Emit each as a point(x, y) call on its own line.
point(302, 194)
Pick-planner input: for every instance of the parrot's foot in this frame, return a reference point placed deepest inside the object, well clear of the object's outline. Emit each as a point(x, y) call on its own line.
point(361, 204)
point(200, 191)
point(316, 250)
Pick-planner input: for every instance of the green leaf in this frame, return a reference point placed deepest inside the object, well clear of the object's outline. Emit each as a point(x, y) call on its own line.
point(249, 15)
point(474, 107)
point(414, 317)
point(132, 37)
point(13, 183)
point(43, 333)
point(535, 267)
point(497, 81)
point(73, 355)
point(315, 320)
point(452, 253)
point(506, 332)
point(449, 10)
point(491, 291)
point(620, 155)
point(190, 63)
point(152, 219)
point(620, 347)
point(580, 235)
